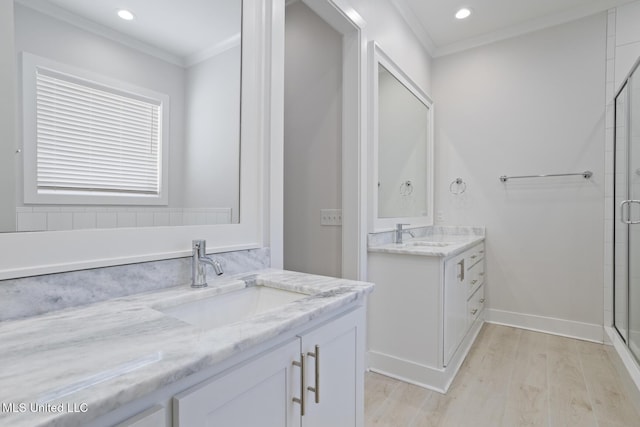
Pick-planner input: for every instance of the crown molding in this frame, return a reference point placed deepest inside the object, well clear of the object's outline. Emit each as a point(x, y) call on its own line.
point(415, 25)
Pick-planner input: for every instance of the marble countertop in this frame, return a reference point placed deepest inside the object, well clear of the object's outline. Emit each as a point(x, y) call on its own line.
point(414, 247)
point(98, 357)
point(429, 241)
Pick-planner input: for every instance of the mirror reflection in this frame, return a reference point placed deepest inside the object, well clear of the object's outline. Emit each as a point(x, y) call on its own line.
point(126, 122)
point(403, 142)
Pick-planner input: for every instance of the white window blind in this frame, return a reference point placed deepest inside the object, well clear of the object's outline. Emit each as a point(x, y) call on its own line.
point(93, 138)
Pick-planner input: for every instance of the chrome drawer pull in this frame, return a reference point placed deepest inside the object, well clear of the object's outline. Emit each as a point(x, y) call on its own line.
point(481, 273)
point(474, 311)
point(481, 300)
point(474, 281)
point(316, 389)
point(300, 400)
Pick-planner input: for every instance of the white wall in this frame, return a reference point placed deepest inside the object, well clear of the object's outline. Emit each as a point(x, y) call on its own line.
point(212, 119)
point(627, 39)
point(7, 119)
point(312, 142)
point(530, 105)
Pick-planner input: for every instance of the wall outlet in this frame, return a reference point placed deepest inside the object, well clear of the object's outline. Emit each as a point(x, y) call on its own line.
point(331, 217)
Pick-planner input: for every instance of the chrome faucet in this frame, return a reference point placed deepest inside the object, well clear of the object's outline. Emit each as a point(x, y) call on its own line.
point(198, 268)
point(400, 232)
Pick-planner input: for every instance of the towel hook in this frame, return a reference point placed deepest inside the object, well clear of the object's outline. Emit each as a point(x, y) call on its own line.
point(462, 186)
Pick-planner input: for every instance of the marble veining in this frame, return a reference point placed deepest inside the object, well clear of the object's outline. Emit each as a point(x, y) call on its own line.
point(115, 351)
point(30, 296)
point(458, 238)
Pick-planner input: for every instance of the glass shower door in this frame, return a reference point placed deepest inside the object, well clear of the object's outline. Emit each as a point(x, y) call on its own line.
point(633, 209)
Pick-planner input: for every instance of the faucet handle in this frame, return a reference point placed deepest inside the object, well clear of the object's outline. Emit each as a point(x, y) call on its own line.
point(199, 247)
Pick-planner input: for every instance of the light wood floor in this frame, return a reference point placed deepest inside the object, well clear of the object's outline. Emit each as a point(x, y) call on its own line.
point(513, 377)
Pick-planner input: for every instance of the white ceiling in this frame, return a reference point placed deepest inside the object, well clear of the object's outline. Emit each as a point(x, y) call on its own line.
point(441, 33)
point(185, 29)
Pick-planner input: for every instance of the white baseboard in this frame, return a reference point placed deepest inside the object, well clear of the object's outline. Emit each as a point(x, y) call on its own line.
point(430, 377)
point(627, 358)
point(549, 325)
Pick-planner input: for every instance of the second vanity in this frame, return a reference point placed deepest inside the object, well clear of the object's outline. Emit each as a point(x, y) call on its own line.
point(272, 348)
point(428, 306)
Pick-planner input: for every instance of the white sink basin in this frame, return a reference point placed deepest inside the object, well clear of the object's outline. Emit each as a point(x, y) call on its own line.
point(428, 244)
point(232, 307)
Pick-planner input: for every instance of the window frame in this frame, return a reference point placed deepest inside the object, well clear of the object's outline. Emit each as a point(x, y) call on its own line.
point(30, 65)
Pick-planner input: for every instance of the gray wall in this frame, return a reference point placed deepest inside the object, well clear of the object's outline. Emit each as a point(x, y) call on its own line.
point(312, 142)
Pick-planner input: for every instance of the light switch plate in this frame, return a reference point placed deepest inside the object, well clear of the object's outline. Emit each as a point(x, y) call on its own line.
point(331, 217)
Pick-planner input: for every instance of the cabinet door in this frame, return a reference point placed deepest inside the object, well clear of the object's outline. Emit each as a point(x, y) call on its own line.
point(153, 417)
point(258, 393)
point(334, 369)
point(455, 305)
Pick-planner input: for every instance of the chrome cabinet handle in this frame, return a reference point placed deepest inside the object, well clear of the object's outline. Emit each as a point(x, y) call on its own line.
point(481, 273)
point(461, 275)
point(474, 311)
point(474, 281)
point(481, 300)
point(316, 389)
point(300, 400)
point(627, 221)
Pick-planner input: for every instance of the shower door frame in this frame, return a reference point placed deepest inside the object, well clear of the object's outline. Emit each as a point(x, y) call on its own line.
point(628, 84)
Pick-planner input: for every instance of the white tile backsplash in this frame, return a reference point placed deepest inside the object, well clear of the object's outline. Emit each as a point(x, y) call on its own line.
point(144, 219)
point(55, 218)
point(32, 221)
point(59, 221)
point(106, 220)
point(126, 219)
point(161, 219)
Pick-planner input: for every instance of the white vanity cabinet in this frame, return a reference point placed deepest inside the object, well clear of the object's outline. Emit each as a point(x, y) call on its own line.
point(266, 391)
point(425, 313)
point(464, 276)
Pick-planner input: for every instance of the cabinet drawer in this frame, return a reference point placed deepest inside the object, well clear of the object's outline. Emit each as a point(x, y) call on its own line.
point(475, 305)
point(475, 277)
point(475, 255)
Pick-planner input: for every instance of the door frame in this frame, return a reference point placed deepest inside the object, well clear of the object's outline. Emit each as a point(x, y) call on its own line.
point(341, 16)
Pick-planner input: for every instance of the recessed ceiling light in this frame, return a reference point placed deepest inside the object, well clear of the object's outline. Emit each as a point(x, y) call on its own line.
point(463, 13)
point(125, 14)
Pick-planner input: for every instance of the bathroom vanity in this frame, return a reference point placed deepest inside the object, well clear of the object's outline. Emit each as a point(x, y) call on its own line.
point(272, 348)
point(428, 305)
